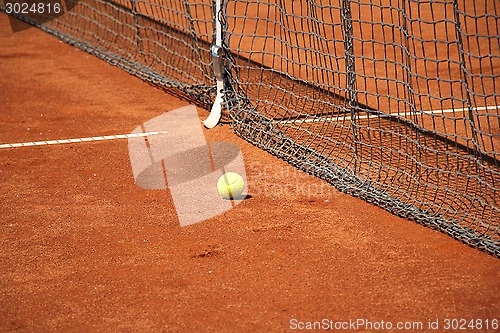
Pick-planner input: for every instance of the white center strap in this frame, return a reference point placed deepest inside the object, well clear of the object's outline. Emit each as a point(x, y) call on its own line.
point(216, 112)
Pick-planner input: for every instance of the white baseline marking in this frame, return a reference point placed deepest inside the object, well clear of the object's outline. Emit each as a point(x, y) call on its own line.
point(79, 140)
point(381, 114)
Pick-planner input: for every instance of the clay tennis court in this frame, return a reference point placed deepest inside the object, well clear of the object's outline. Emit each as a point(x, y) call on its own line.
point(85, 250)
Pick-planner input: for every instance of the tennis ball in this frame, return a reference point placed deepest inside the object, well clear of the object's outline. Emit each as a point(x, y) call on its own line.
point(230, 185)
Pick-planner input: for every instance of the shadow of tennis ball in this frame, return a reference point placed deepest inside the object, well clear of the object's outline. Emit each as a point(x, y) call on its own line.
point(188, 165)
point(35, 12)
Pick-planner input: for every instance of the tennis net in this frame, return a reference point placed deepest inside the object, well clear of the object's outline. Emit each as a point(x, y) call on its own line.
point(393, 101)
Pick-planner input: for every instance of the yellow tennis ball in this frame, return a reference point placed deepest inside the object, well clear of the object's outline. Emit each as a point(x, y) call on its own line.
point(230, 185)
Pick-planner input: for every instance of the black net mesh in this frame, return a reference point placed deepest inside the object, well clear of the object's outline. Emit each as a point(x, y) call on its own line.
point(394, 101)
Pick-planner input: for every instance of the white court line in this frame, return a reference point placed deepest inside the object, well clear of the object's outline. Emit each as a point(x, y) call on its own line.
point(381, 114)
point(145, 134)
point(78, 140)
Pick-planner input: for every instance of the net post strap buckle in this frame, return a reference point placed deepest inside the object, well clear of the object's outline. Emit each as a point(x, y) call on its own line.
point(217, 65)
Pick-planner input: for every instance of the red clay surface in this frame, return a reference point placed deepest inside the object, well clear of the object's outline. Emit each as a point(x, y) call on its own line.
point(86, 250)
